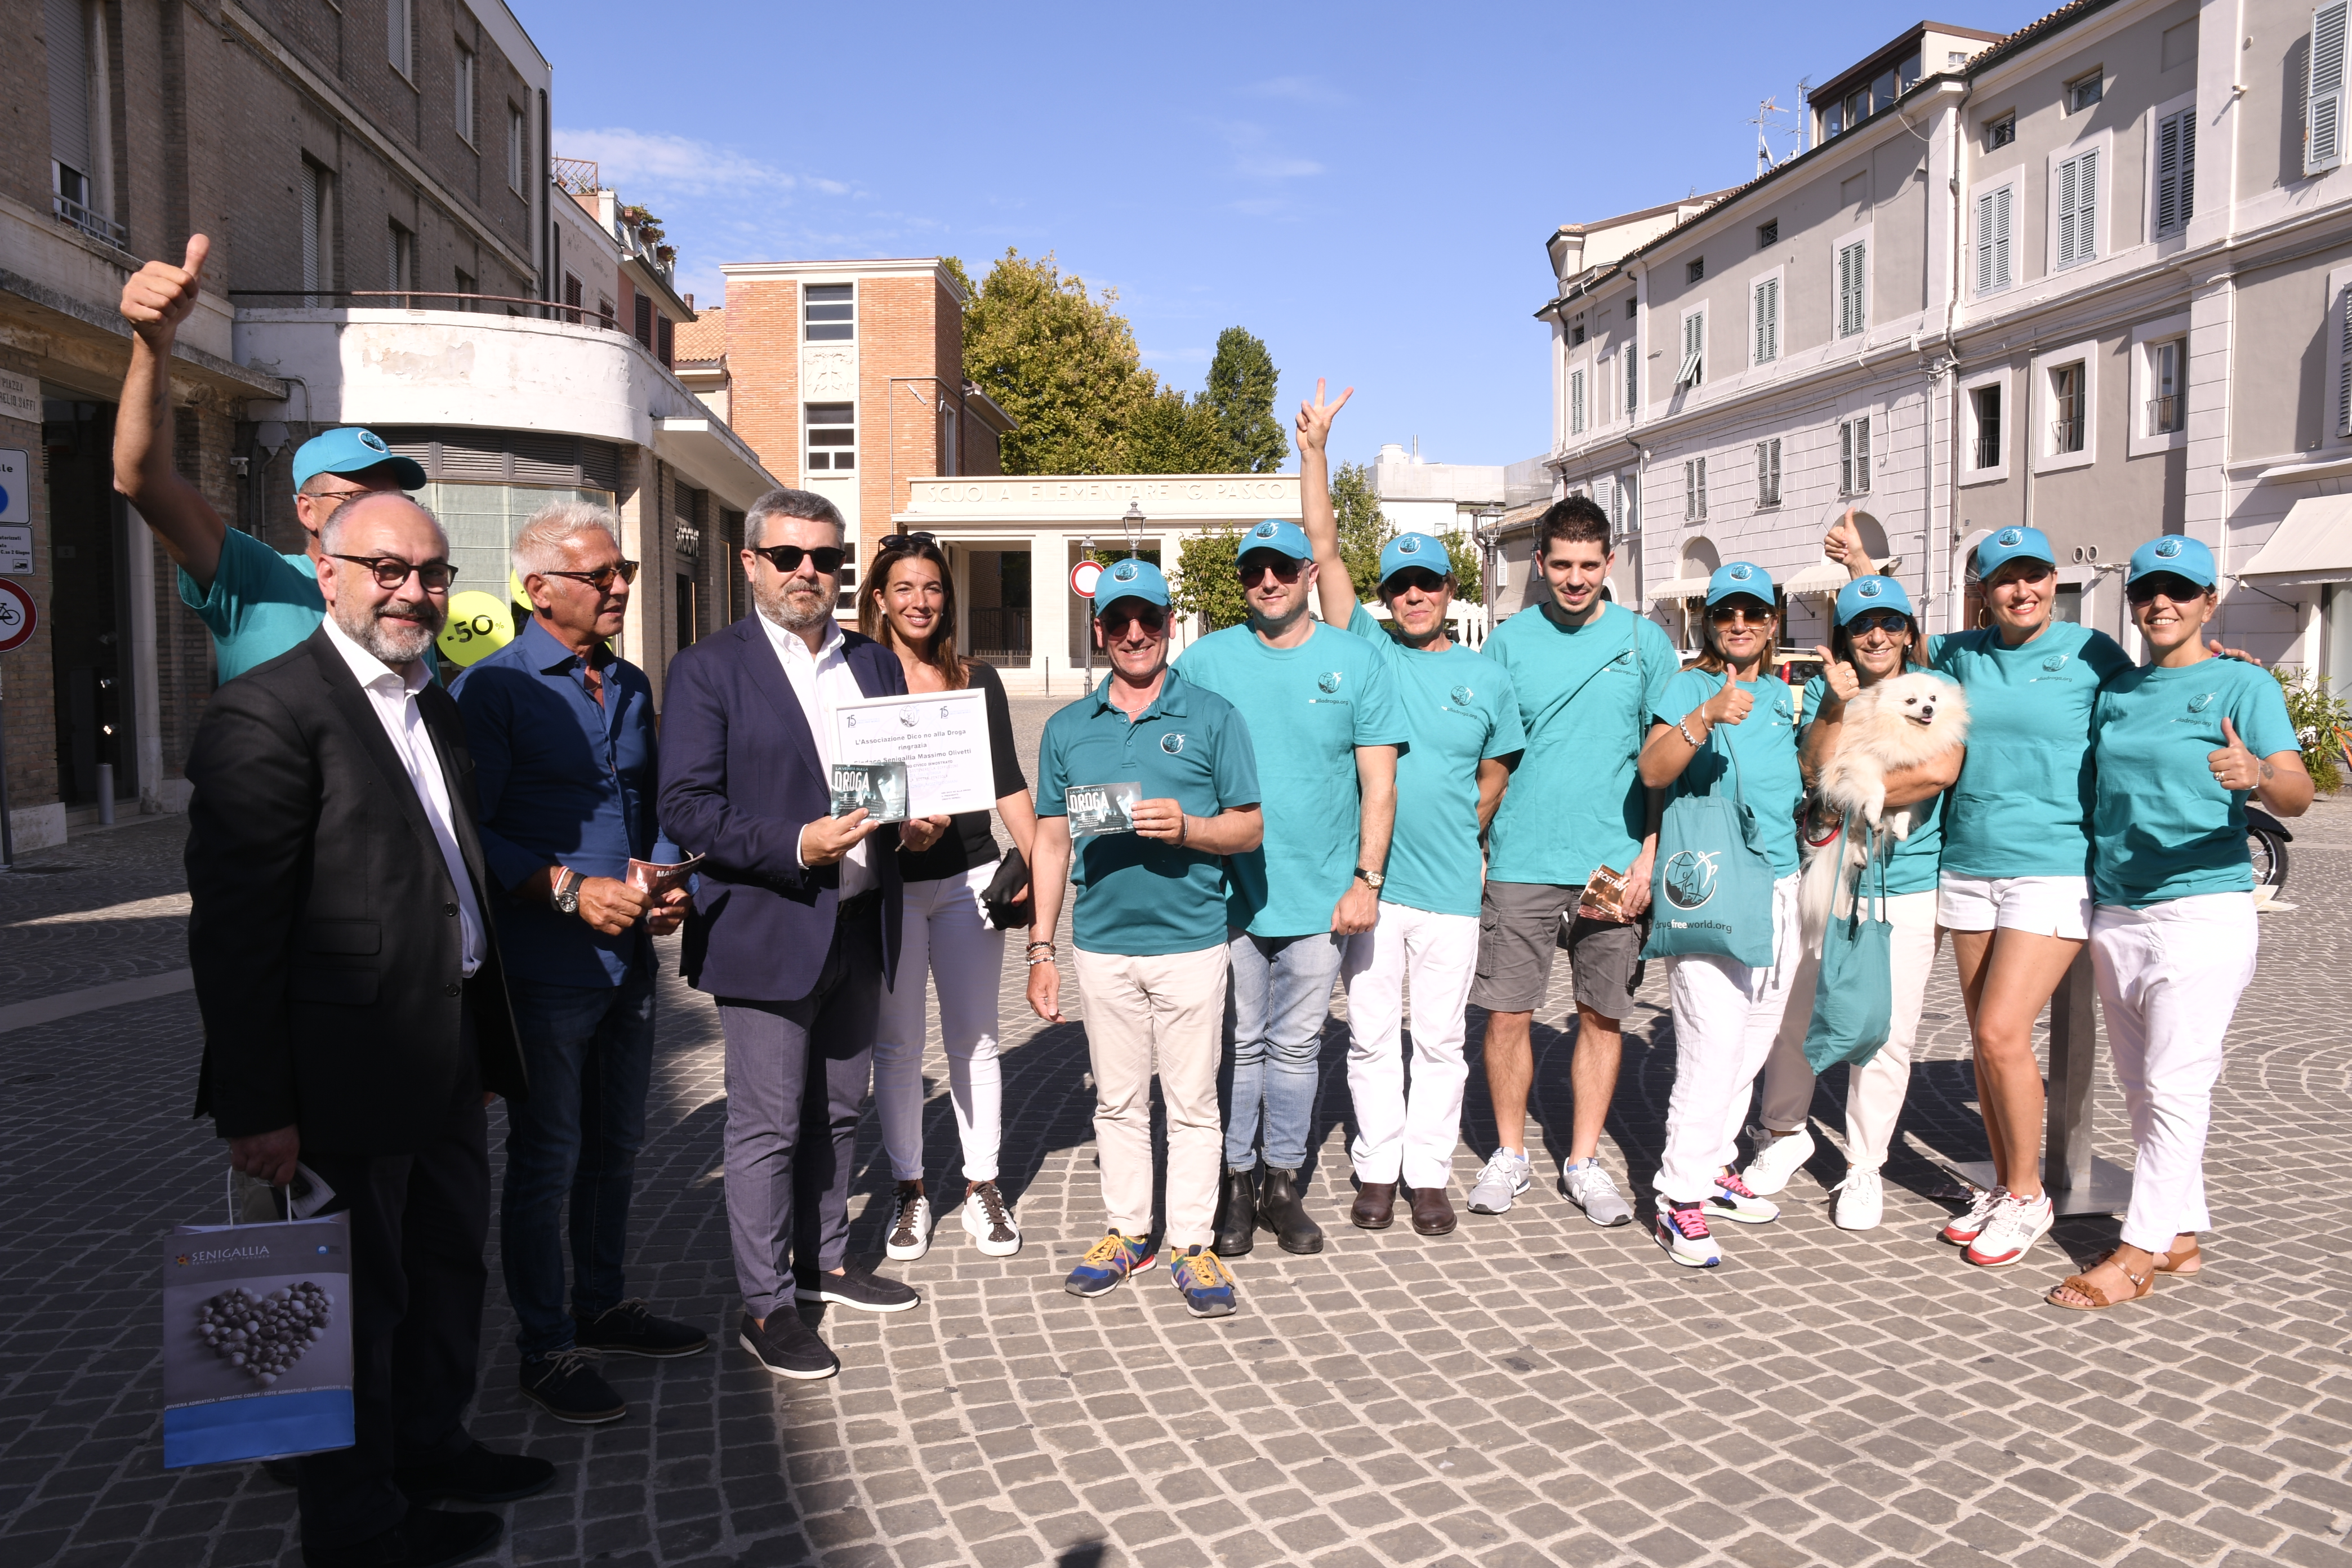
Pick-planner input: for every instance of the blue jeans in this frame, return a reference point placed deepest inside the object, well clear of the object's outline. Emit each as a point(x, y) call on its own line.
point(588, 1051)
point(1274, 1033)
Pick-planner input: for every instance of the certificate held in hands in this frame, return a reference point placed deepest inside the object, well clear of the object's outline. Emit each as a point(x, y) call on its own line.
point(938, 741)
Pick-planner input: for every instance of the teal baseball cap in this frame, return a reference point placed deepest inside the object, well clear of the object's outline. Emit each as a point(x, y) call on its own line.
point(351, 450)
point(1738, 578)
point(1865, 593)
point(1130, 579)
point(2175, 556)
point(1422, 549)
point(1282, 538)
point(2013, 544)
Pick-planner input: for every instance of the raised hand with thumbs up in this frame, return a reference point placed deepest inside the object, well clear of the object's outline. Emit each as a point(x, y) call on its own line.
point(2235, 767)
point(155, 301)
point(159, 296)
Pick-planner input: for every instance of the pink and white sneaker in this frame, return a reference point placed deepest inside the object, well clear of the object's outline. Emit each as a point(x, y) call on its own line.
point(1964, 1228)
point(1734, 1200)
point(2015, 1225)
point(1681, 1229)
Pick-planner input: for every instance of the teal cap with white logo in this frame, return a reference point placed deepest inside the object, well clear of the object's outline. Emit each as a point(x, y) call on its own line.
point(1282, 538)
point(1130, 579)
point(351, 450)
point(1866, 594)
point(1739, 578)
point(2175, 556)
point(2012, 544)
point(1421, 550)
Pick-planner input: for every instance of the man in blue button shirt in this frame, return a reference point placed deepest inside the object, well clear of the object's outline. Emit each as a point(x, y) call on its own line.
point(1163, 781)
point(256, 602)
point(561, 732)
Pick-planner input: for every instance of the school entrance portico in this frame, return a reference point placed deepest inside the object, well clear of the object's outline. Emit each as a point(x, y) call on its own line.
point(1011, 543)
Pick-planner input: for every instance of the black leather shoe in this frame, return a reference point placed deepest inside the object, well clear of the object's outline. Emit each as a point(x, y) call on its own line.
point(856, 1286)
point(1375, 1205)
point(631, 1329)
point(787, 1347)
point(1237, 1215)
point(569, 1388)
point(475, 1476)
point(1432, 1211)
point(1282, 1210)
point(427, 1538)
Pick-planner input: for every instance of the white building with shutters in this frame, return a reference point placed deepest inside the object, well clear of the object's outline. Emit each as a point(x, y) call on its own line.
point(2095, 274)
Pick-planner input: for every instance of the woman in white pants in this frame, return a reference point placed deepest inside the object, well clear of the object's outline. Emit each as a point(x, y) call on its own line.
point(1727, 1013)
point(944, 935)
point(2180, 744)
point(1877, 638)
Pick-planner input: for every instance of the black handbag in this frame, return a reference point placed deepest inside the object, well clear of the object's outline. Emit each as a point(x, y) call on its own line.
point(1012, 876)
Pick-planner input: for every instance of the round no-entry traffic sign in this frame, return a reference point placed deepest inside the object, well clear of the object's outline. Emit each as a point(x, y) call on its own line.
point(17, 617)
point(1083, 577)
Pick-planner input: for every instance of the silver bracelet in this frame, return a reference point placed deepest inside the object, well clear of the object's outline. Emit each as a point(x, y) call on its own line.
point(1693, 741)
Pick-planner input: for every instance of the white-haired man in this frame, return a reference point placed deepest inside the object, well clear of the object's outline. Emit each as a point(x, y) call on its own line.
point(562, 730)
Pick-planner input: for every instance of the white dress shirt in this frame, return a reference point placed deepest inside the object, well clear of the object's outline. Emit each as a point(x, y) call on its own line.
point(394, 697)
point(821, 682)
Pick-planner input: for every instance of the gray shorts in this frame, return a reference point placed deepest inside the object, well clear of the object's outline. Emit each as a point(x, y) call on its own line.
point(1518, 931)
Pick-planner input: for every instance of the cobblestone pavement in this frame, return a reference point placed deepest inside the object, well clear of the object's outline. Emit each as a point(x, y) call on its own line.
point(1530, 1390)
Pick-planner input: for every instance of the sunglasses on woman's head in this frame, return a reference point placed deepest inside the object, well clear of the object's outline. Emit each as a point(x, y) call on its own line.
point(787, 557)
point(908, 540)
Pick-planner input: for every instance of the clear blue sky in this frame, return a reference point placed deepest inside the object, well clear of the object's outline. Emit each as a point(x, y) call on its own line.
point(1367, 188)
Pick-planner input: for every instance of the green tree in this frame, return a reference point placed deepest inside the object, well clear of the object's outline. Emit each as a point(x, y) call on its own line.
point(1363, 528)
point(1206, 582)
point(1058, 359)
point(1241, 385)
point(1172, 434)
point(1468, 584)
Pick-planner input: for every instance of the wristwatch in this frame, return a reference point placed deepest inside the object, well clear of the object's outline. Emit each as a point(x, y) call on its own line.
point(1371, 880)
point(566, 895)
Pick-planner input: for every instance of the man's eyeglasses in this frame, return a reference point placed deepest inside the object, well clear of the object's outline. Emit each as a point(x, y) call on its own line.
point(1283, 567)
point(1150, 617)
point(908, 540)
point(1733, 615)
point(391, 570)
point(601, 578)
point(2179, 590)
point(1419, 577)
point(1887, 621)
point(787, 557)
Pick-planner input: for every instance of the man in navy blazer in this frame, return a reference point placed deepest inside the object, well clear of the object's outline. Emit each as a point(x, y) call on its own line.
point(794, 929)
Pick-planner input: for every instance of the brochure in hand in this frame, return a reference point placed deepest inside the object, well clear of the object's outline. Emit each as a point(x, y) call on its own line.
point(1103, 808)
point(878, 788)
point(651, 877)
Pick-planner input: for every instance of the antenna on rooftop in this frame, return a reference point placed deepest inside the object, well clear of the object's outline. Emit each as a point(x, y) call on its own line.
point(1762, 120)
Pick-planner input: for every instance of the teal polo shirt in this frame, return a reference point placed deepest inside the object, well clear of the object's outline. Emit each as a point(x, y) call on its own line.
point(1461, 711)
point(1137, 895)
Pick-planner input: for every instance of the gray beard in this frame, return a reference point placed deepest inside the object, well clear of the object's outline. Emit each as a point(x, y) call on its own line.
point(781, 611)
point(395, 645)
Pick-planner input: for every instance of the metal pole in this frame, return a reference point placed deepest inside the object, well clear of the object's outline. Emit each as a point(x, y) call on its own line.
point(1086, 552)
point(7, 826)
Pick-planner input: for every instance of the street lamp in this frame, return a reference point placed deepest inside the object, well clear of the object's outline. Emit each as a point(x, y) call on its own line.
point(1133, 522)
point(1487, 520)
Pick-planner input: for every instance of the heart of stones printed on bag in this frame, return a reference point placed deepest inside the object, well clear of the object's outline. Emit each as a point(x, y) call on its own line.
point(265, 1336)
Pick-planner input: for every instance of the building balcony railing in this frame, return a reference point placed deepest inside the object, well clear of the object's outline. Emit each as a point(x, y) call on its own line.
point(2164, 414)
point(97, 225)
point(417, 300)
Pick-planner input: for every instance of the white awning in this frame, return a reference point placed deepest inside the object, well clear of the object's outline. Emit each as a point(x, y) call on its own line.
point(1679, 588)
point(1823, 576)
point(2313, 543)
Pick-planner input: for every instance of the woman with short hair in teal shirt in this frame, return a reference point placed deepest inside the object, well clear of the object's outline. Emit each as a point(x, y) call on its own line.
point(2014, 887)
point(2181, 743)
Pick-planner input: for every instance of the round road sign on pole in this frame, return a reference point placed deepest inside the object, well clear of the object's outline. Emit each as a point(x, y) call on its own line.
point(17, 617)
point(1083, 577)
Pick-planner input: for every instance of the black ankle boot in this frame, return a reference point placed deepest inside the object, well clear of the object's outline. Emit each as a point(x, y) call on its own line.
point(1282, 1210)
point(1236, 1213)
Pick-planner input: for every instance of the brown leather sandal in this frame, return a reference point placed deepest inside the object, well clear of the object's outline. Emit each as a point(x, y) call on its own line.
point(2098, 1300)
point(2181, 1265)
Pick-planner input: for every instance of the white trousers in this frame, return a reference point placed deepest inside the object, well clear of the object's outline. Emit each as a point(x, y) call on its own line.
point(943, 933)
point(2169, 977)
point(1874, 1092)
point(1168, 1011)
point(1400, 1136)
point(1726, 1017)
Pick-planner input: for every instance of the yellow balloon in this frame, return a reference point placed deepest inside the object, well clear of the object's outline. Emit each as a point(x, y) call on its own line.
point(515, 591)
point(478, 625)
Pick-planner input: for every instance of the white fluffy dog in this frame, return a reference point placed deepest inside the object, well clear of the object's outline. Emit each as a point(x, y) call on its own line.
point(1903, 722)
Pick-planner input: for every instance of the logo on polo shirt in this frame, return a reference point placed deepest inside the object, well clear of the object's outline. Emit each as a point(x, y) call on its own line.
point(2054, 663)
point(2199, 704)
point(2009, 536)
point(1690, 878)
point(1328, 680)
point(2167, 549)
point(1870, 588)
point(1462, 695)
point(1172, 742)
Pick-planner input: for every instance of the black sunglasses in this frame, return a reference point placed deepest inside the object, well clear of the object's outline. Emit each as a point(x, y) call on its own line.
point(1284, 568)
point(2179, 590)
point(1405, 577)
point(1150, 617)
point(787, 557)
point(601, 578)
point(391, 570)
point(1754, 615)
point(1893, 623)
point(908, 540)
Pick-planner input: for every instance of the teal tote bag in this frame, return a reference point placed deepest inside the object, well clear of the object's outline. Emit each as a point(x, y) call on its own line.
point(1711, 885)
point(1853, 1000)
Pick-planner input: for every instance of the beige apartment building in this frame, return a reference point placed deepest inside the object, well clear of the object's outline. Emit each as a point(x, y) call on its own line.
point(375, 179)
point(2092, 275)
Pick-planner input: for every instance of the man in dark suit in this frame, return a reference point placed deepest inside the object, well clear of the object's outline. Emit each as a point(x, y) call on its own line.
point(356, 1020)
point(794, 929)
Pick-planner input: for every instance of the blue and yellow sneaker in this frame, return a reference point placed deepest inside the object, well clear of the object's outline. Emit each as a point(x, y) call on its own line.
point(1204, 1282)
point(1108, 1262)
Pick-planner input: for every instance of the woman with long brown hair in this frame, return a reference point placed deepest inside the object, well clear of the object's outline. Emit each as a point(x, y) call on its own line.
point(908, 605)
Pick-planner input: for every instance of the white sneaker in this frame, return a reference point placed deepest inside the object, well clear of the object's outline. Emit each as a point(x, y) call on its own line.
point(2016, 1225)
point(988, 1220)
point(1506, 1175)
point(1732, 1200)
point(910, 1225)
point(1589, 1188)
point(1861, 1200)
point(1681, 1229)
point(1964, 1229)
point(1776, 1159)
